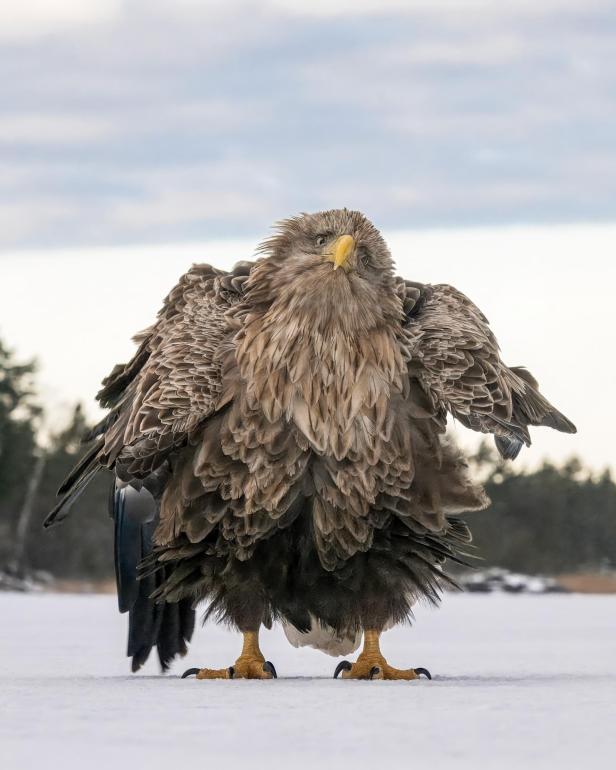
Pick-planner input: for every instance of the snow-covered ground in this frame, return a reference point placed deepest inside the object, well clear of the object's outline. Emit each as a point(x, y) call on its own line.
point(519, 682)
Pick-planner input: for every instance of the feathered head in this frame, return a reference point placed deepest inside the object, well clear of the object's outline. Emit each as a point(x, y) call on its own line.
point(332, 268)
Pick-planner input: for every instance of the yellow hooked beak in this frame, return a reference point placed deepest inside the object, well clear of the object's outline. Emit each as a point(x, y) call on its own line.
point(341, 250)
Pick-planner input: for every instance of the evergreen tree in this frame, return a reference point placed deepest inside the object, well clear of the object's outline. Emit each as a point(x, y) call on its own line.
point(83, 545)
point(19, 414)
point(549, 521)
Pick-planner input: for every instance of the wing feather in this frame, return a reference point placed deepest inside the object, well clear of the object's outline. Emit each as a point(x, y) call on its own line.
point(454, 356)
point(169, 387)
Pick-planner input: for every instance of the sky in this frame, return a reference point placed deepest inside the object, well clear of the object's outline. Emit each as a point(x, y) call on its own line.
point(140, 121)
point(138, 137)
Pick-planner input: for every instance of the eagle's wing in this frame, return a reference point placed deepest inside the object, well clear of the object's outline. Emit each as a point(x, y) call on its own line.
point(169, 387)
point(454, 356)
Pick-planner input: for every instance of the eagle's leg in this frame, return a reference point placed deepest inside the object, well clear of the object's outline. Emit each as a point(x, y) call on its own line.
point(250, 665)
point(372, 665)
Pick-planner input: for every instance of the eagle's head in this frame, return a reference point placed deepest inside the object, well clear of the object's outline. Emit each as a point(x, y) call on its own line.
point(332, 269)
point(319, 327)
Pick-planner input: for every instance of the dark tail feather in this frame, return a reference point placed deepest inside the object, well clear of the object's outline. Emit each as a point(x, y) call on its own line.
point(134, 513)
point(144, 622)
point(175, 632)
point(168, 627)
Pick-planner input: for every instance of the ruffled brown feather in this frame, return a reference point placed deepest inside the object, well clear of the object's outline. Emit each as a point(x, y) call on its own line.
point(299, 416)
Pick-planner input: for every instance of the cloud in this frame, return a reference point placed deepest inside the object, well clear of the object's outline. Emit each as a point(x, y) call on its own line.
point(30, 19)
point(41, 128)
point(18, 222)
point(33, 18)
point(184, 120)
point(352, 8)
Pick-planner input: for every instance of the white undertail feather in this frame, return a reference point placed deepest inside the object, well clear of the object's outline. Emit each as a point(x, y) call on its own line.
point(326, 639)
point(323, 638)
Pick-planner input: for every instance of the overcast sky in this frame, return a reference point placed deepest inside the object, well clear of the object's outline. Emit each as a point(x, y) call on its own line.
point(139, 136)
point(173, 120)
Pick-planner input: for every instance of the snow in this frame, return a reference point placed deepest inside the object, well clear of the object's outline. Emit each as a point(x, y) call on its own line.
point(519, 682)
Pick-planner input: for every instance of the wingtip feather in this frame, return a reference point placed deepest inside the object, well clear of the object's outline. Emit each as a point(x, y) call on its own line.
point(559, 422)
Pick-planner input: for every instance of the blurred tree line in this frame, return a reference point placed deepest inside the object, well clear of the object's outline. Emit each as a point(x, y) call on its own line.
point(83, 545)
point(551, 520)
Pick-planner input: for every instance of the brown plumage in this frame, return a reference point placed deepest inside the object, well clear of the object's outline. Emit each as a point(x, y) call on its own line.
point(289, 419)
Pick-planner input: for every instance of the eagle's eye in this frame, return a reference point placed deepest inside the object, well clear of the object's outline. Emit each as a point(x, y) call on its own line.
point(364, 257)
point(321, 239)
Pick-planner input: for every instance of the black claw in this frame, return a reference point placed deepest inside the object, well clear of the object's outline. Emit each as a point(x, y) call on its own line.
point(269, 669)
point(190, 672)
point(425, 672)
point(344, 666)
point(374, 671)
point(231, 672)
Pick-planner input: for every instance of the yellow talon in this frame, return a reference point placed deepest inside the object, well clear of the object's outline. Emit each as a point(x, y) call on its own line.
point(250, 665)
point(372, 665)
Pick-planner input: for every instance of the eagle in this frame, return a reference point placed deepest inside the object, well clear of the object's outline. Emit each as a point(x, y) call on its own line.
point(279, 451)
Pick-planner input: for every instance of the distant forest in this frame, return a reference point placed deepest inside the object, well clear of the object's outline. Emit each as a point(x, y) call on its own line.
point(549, 521)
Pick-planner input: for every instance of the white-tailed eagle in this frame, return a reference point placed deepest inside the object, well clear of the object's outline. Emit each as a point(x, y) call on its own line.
point(278, 447)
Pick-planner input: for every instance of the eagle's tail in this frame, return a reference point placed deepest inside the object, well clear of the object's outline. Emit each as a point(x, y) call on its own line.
point(168, 627)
